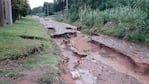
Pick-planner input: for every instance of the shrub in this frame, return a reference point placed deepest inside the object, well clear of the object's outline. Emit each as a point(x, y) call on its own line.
point(117, 15)
point(46, 80)
point(121, 33)
point(138, 35)
point(73, 16)
point(144, 27)
point(88, 16)
point(124, 14)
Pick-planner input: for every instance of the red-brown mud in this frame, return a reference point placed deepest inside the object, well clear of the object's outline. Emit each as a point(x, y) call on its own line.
point(97, 58)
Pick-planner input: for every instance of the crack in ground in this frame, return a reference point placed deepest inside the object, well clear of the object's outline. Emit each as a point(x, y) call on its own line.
point(33, 38)
point(25, 54)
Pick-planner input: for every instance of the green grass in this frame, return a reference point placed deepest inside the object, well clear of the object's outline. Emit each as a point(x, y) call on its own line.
point(11, 45)
point(9, 73)
point(46, 80)
point(5, 82)
point(10, 42)
point(46, 58)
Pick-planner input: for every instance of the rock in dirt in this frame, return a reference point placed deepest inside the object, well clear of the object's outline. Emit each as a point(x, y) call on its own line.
point(78, 52)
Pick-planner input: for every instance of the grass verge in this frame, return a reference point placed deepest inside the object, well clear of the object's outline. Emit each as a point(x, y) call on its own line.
point(11, 44)
point(5, 82)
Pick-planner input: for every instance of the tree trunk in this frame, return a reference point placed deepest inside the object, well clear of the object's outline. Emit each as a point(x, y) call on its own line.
point(8, 11)
point(1, 13)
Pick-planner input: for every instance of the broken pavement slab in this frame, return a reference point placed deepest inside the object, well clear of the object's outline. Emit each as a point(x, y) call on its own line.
point(137, 53)
point(58, 27)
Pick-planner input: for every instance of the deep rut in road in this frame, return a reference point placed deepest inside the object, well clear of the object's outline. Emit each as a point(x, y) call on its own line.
point(87, 62)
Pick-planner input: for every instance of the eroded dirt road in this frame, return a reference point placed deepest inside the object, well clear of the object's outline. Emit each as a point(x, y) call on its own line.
point(87, 61)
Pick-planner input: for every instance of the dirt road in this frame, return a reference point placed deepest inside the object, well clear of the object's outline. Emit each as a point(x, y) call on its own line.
point(86, 60)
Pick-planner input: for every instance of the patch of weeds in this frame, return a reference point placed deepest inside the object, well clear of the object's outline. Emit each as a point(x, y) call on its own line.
point(139, 36)
point(109, 31)
point(73, 16)
point(43, 59)
point(5, 82)
point(29, 62)
point(27, 66)
point(9, 73)
point(147, 39)
point(121, 33)
point(12, 53)
point(47, 79)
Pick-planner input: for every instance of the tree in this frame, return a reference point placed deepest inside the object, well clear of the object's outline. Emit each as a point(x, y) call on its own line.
point(37, 10)
point(20, 8)
point(25, 10)
point(59, 5)
point(49, 8)
point(1, 13)
point(46, 8)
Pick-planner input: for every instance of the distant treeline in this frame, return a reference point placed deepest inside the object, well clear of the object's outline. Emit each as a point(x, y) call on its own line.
point(49, 8)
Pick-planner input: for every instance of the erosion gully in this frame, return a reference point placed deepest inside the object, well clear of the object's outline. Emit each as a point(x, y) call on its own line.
point(101, 65)
point(87, 62)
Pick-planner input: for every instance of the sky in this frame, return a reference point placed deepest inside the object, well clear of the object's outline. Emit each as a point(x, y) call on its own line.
point(36, 3)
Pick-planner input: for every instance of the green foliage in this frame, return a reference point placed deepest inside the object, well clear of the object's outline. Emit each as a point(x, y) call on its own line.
point(117, 15)
point(10, 40)
point(9, 73)
point(129, 19)
point(138, 35)
point(93, 4)
point(124, 19)
point(73, 16)
point(46, 80)
point(124, 14)
point(144, 27)
point(59, 5)
point(10, 37)
point(37, 10)
point(20, 8)
point(46, 8)
point(49, 8)
point(88, 16)
point(121, 33)
point(5, 82)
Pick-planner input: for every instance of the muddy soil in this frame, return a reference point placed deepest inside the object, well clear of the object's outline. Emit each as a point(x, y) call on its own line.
point(92, 69)
point(102, 65)
point(26, 76)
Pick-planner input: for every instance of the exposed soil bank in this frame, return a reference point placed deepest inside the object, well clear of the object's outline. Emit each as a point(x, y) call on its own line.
point(32, 38)
point(25, 54)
